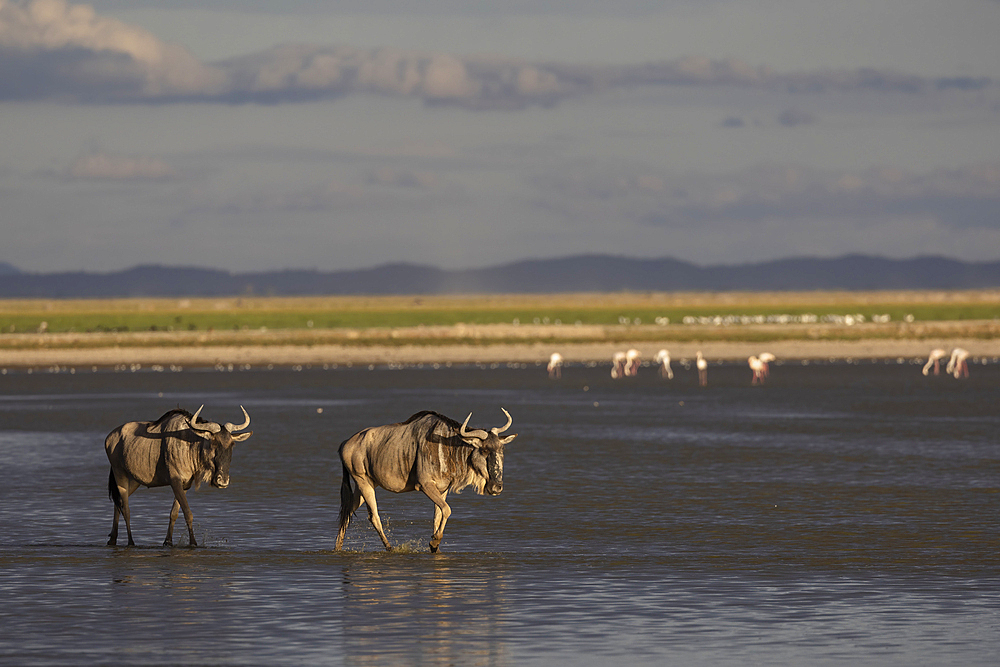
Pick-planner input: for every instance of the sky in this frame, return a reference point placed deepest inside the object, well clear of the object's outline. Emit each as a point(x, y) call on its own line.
point(251, 135)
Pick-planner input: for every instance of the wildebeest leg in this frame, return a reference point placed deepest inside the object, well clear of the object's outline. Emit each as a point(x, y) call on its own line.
point(112, 492)
point(113, 535)
point(441, 513)
point(181, 499)
point(368, 493)
point(123, 493)
point(347, 512)
point(438, 514)
point(169, 541)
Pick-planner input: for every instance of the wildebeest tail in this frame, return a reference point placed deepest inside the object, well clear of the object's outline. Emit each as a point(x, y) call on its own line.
point(346, 501)
point(113, 492)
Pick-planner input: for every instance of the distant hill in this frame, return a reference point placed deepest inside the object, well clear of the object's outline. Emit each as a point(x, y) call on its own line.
point(584, 273)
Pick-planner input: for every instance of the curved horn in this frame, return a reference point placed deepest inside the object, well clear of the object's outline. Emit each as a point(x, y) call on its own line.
point(235, 429)
point(207, 427)
point(471, 434)
point(499, 430)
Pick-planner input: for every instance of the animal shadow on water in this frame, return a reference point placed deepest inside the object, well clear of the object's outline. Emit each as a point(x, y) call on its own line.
point(428, 452)
point(176, 450)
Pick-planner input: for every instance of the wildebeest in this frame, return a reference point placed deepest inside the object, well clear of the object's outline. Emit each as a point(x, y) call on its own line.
point(175, 450)
point(428, 452)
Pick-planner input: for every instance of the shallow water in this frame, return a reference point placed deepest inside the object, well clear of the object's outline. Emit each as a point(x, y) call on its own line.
point(841, 513)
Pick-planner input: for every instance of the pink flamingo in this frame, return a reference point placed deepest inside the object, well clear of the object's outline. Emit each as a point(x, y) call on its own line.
point(632, 360)
point(937, 354)
point(757, 366)
point(766, 358)
point(663, 361)
point(555, 365)
point(618, 365)
point(957, 364)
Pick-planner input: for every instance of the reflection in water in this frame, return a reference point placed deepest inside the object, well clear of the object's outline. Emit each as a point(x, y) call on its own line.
point(446, 609)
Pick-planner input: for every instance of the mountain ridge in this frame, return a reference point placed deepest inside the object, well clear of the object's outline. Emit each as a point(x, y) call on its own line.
point(576, 273)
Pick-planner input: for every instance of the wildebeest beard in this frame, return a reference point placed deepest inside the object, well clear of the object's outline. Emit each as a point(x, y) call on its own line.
point(456, 459)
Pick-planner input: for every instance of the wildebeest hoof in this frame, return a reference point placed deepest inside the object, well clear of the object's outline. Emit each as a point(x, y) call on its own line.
point(168, 543)
point(434, 549)
point(112, 543)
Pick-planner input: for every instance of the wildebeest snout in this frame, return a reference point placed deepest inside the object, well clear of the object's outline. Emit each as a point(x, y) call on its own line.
point(221, 481)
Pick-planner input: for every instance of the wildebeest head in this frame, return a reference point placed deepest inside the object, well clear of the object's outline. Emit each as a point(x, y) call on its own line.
point(217, 448)
point(487, 455)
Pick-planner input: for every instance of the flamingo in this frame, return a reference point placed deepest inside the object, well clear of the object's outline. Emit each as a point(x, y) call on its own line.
point(632, 358)
point(663, 360)
point(766, 358)
point(555, 365)
point(957, 364)
point(937, 354)
point(618, 365)
point(702, 369)
point(757, 366)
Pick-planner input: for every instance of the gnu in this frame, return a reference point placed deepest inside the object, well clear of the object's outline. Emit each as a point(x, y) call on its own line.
point(175, 450)
point(428, 452)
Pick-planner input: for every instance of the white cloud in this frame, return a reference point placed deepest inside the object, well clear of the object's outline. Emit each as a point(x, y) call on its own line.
point(56, 50)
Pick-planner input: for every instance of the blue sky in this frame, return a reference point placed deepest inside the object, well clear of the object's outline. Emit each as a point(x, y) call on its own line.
point(253, 135)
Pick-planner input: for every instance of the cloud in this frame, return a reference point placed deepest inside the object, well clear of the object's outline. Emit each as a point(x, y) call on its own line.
point(300, 72)
point(50, 49)
point(964, 198)
point(102, 166)
point(53, 50)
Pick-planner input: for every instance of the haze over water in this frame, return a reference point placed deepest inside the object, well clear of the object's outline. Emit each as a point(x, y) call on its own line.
point(842, 513)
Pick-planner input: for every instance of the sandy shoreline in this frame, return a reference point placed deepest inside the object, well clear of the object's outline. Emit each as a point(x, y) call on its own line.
point(537, 352)
point(237, 343)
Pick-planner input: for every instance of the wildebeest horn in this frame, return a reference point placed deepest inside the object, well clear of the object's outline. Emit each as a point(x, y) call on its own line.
point(234, 429)
point(471, 434)
point(208, 427)
point(510, 420)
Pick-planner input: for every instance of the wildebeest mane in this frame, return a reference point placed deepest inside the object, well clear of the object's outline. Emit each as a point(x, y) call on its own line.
point(423, 413)
point(170, 413)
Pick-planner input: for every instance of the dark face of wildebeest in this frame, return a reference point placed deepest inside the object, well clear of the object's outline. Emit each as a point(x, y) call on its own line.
point(217, 449)
point(487, 457)
point(216, 455)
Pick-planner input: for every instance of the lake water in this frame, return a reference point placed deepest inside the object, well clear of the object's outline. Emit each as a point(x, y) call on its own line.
point(840, 514)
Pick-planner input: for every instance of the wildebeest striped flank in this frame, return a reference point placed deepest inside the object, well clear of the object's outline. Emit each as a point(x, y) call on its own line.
point(175, 450)
point(428, 452)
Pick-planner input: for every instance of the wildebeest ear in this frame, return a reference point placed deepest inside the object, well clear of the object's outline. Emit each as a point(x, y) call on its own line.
point(240, 437)
point(504, 441)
